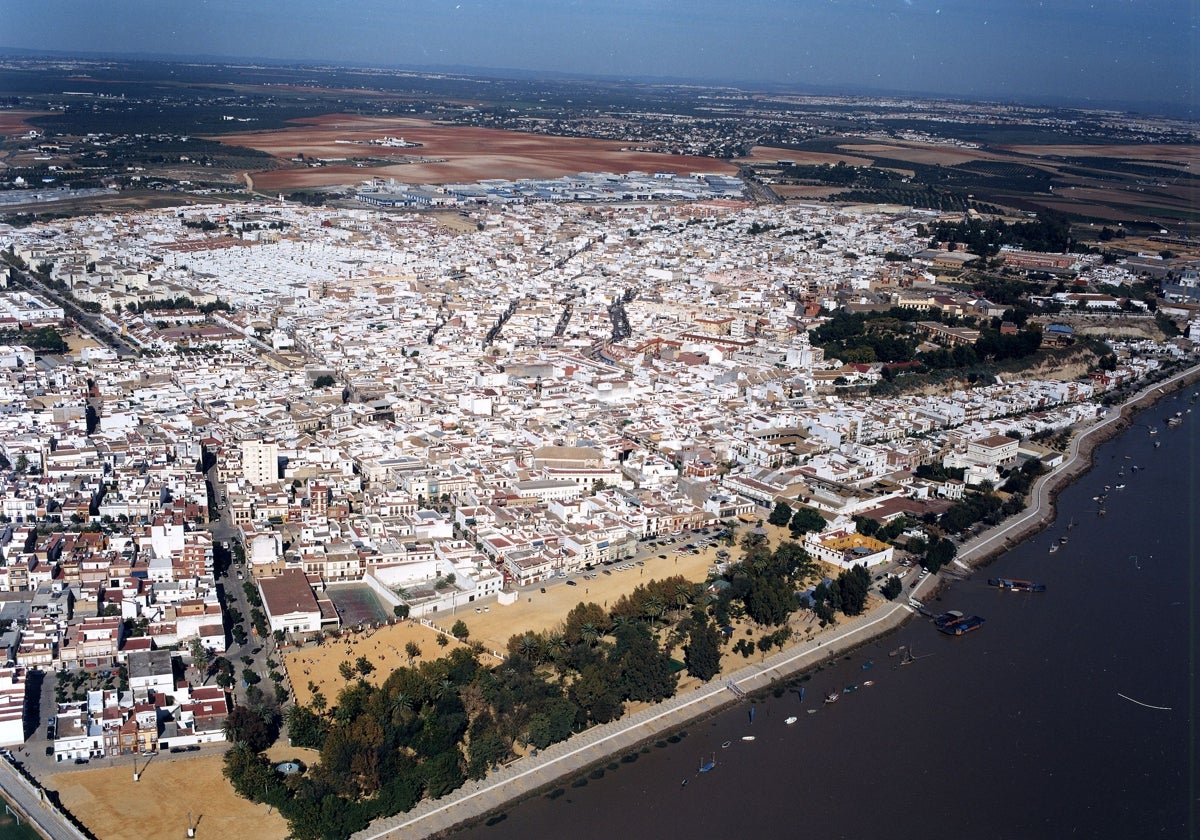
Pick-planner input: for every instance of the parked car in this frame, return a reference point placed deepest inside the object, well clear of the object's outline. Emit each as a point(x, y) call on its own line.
point(572, 583)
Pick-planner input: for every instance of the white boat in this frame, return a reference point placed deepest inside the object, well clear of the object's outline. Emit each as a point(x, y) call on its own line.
point(790, 720)
point(747, 737)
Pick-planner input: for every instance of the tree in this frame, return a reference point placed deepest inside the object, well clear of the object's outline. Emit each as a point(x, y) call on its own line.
point(200, 656)
point(306, 728)
point(250, 728)
point(444, 773)
point(413, 650)
point(892, 587)
point(645, 669)
point(804, 520)
point(442, 641)
point(702, 654)
point(853, 585)
point(346, 669)
point(363, 665)
point(781, 515)
point(459, 630)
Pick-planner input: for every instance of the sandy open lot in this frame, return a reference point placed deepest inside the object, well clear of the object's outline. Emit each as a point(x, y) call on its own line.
point(770, 154)
point(925, 153)
point(1188, 155)
point(13, 123)
point(114, 807)
point(470, 154)
point(535, 610)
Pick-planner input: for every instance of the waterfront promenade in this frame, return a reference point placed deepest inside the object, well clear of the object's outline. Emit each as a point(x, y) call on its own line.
point(531, 773)
point(1039, 512)
point(30, 802)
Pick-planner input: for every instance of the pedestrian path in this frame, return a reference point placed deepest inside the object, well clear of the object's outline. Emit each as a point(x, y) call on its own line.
point(526, 775)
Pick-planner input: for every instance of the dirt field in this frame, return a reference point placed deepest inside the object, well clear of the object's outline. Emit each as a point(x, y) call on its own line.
point(1187, 155)
point(114, 807)
point(471, 154)
point(535, 611)
point(13, 123)
point(770, 154)
point(930, 154)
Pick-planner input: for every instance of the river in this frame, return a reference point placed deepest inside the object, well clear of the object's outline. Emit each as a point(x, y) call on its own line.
point(1017, 730)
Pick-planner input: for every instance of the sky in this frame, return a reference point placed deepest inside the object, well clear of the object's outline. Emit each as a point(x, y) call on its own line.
point(1070, 51)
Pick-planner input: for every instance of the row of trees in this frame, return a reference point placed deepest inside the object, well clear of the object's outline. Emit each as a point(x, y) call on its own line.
point(431, 726)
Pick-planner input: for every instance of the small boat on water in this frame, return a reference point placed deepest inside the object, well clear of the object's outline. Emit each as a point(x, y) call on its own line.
point(1120, 487)
point(833, 697)
point(1015, 585)
point(869, 682)
point(1053, 547)
point(1063, 539)
point(725, 746)
point(790, 720)
point(747, 737)
point(868, 665)
point(850, 689)
point(706, 766)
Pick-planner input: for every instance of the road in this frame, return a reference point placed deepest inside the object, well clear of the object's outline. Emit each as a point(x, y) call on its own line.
point(1040, 506)
point(86, 320)
point(31, 803)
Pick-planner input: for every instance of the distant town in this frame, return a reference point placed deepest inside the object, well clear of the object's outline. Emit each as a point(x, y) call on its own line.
point(231, 430)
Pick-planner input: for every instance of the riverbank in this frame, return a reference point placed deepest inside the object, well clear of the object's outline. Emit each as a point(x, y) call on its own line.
point(1041, 511)
point(530, 775)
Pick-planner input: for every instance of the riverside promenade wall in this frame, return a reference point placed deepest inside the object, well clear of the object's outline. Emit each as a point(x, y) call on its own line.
point(527, 775)
point(1041, 510)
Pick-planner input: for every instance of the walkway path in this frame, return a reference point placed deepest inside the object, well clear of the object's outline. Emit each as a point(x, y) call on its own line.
point(30, 801)
point(1041, 508)
point(526, 775)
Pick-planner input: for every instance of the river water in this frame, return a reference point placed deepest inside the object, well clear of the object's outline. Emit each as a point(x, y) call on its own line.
point(1017, 730)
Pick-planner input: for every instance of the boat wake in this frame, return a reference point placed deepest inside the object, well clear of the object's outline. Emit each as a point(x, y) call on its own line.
point(1147, 705)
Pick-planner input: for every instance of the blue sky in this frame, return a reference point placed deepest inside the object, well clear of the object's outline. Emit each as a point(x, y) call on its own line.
point(1087, 52)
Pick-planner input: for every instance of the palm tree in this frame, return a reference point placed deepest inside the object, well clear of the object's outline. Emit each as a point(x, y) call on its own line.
point(589, 633)
point(683, 596)
point(400, 703)
point(530, 647)
point(319, 703)
point(556, 647)
point(443, 689)
point(654, 608)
